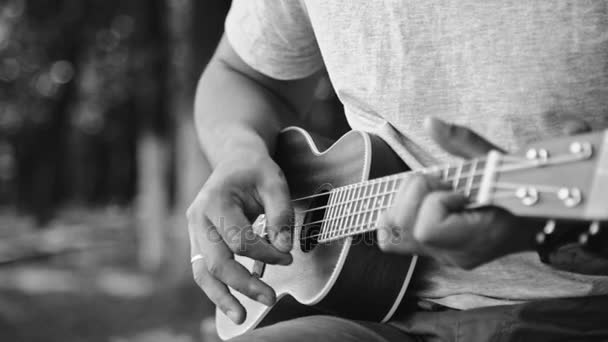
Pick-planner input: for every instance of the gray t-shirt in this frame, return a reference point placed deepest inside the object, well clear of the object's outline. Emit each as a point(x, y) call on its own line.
point(514, 71)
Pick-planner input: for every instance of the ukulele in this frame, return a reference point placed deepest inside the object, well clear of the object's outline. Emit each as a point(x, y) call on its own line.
point(339, 189)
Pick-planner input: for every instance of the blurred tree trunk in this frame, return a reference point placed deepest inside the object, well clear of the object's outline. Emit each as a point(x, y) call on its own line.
point(186, 157)
point(153, 148)
point(194, 29)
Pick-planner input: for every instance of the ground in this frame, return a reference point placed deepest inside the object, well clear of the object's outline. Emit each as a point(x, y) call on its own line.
point(77, 280)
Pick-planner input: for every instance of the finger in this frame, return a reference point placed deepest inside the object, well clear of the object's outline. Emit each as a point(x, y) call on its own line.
point(468, 238)
point(218, 293)
point(220, 264)
point(399, 220)
point(386, 224)
point(431, 228)
point(231, 223)
point(499, 227)
point(274, 194)
point(458, 140)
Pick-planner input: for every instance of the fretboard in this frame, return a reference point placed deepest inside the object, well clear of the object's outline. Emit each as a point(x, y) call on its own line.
point(355, 209)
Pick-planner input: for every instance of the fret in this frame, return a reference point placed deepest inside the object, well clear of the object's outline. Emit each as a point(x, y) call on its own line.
point(436, 171)
point(325, 216)
point(376, 202)
point(389, 191)
point(334, 212)
point(325, 227)
point(374, 191)
point(456, 179)
point(378, 197)
point(361, 207)
point(384, 198)
point(342, 212)
point(353, 212)
point(392, 192)
point(446, 173)
point(338, 212)
point(368, 207)
point(481, 165)
point(387, 198)
point(471, 177)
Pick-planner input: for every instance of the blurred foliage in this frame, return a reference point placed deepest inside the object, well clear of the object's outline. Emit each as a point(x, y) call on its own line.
point(82, 85)
point(79, 82)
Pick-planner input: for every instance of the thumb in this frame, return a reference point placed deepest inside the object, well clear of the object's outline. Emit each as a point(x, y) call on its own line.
point(458, 140)
point(279, 214)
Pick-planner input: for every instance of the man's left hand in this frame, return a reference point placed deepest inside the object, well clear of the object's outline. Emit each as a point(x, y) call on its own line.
point(429, 219)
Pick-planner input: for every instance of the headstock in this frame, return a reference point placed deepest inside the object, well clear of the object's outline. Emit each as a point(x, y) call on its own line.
point(559, 179)
point(564, 178)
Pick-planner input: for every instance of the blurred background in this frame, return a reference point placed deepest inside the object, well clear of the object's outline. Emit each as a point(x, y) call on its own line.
point(98, 163)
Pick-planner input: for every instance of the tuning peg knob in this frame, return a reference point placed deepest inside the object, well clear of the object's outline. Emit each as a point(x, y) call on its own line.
point(544, 240)
point(592, 239)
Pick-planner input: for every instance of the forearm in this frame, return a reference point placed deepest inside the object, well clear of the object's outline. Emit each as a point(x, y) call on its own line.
point(233, 110)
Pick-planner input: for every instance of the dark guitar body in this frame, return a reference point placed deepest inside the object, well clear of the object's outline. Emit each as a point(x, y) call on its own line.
point(350, 277)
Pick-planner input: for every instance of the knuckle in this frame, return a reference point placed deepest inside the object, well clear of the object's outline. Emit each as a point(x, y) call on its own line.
point(385, 245)
point(223, 301)
point(199, 277)
point(385, 237)
point(216, 269)
point(276, 185)
point(194, 213)
point(422, 236)
point(417, 180)
point(200, 206)
point(422, 183)
point(433, 199)
point(238, 244)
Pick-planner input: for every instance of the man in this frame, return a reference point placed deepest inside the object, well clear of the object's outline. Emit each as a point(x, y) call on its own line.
point(515, 70)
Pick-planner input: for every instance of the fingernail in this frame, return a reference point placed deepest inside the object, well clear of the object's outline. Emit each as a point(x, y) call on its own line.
point(233, 315)
point(283, 241)
point(264, 299)
point(382, 234)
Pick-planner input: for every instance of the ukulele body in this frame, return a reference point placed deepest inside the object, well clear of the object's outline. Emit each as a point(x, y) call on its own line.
point(350, 277)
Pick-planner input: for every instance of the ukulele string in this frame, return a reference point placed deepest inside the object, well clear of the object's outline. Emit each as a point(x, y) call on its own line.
point(432, 169)
point(518, 164)
point(470, 186)
point(338, 233)
point(352, 230)
point(360, 185)
point(515, 163)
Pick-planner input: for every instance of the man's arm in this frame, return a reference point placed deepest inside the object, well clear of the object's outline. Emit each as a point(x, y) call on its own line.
point(239, 113)
point(236, 105)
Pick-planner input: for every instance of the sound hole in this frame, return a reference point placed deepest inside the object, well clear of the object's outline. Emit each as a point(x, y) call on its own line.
point(311, 228)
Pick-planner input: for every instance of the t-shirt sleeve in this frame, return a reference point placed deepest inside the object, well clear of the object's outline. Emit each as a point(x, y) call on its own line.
point(274, 37)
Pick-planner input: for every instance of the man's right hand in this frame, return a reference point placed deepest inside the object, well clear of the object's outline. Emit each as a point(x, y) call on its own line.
point(244, 185)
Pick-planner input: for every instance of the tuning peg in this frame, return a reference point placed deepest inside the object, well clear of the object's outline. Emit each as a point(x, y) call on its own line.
point(544, 240)
point(543, 236)
point(591, 240)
